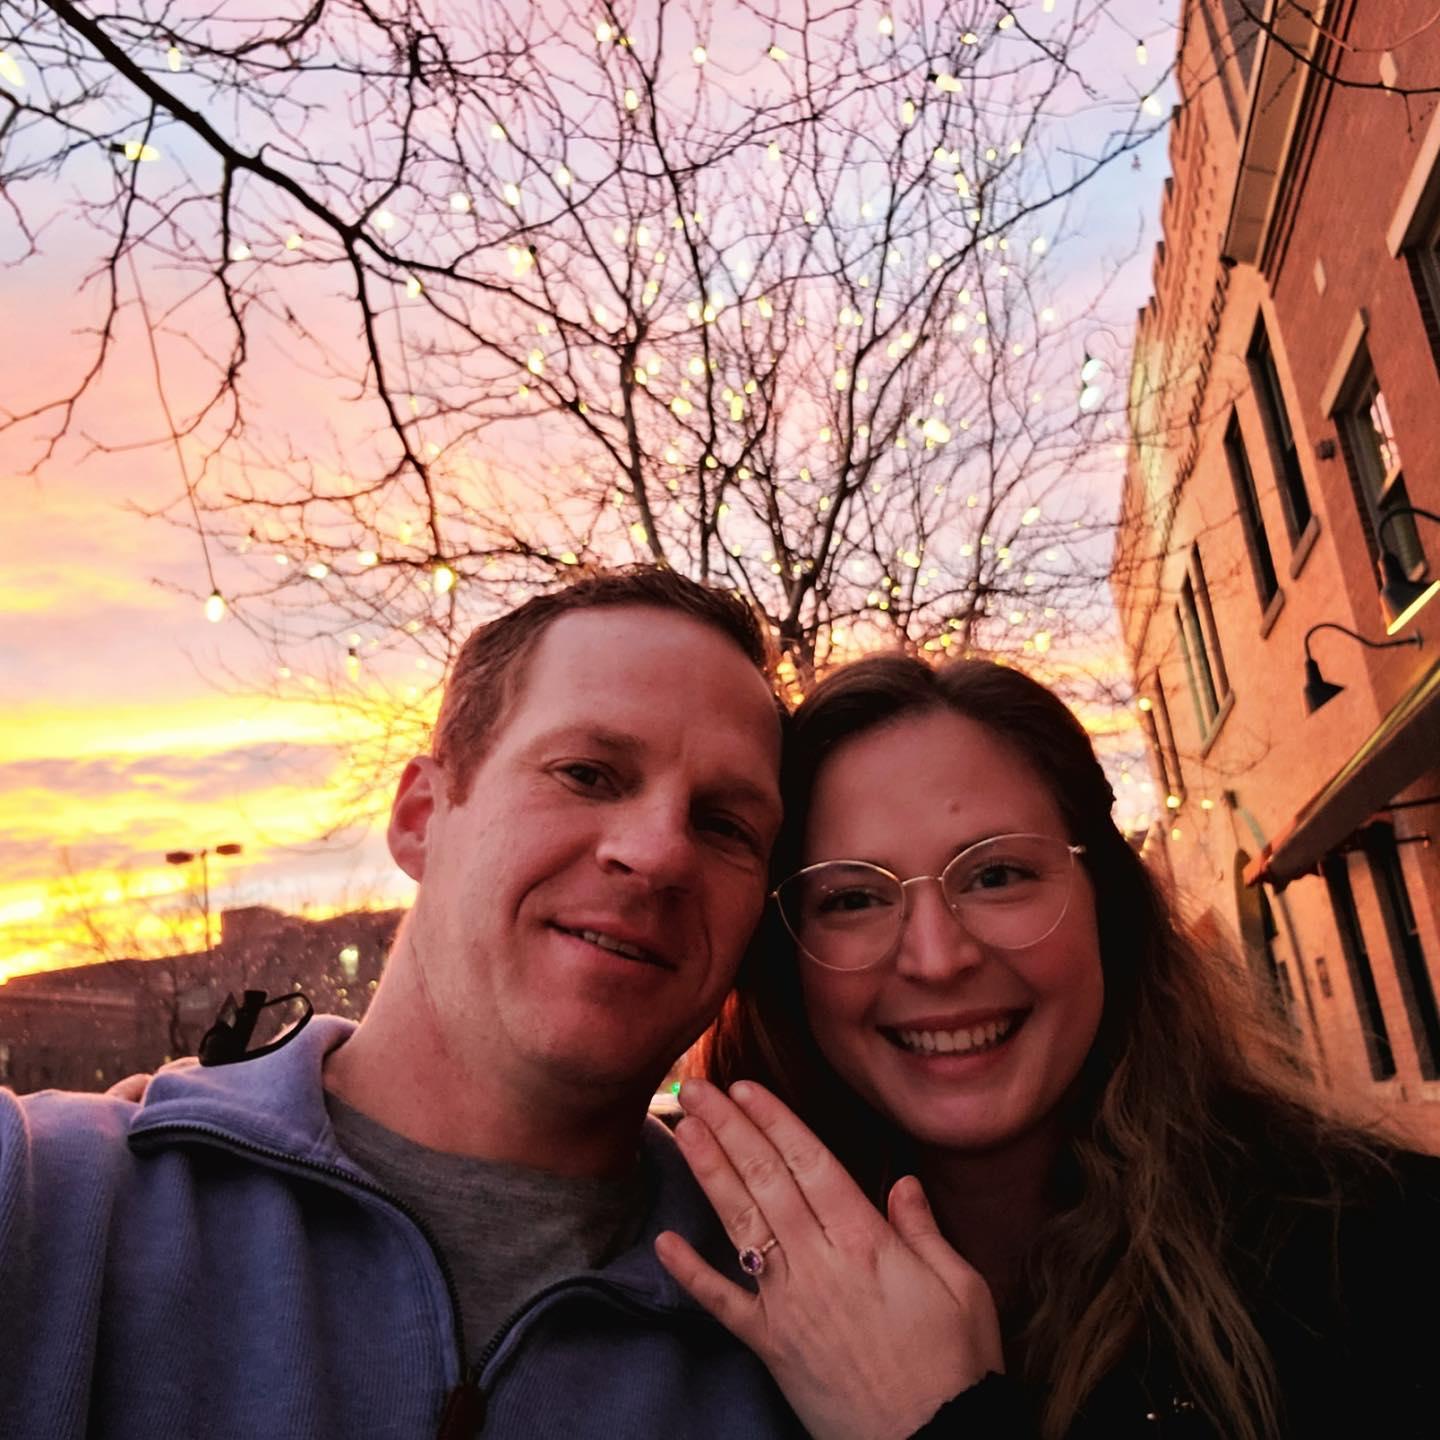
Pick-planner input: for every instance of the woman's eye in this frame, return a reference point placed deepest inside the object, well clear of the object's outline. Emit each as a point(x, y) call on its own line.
point(840, 901)
point(996, 877)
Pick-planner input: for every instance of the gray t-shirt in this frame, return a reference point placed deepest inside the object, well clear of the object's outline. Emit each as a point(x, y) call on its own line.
point(505, 1231)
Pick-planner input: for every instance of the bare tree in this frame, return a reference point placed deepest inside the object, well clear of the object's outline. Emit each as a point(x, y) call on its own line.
point(761, 292)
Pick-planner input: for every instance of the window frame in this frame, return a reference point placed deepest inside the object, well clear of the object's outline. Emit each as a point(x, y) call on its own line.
point(1280, 437)
point(1374, 1031)
point(1200, 650)
point(1247, 505)
point(1377, 481)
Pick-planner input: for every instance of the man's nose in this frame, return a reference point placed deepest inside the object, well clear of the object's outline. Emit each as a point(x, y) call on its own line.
point(653, 841)
point(934, 944)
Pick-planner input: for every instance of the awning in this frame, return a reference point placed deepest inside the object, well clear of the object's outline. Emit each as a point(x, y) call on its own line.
point(1402, 748)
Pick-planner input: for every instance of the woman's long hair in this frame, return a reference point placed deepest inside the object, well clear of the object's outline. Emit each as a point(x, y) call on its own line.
point(1192, 1102)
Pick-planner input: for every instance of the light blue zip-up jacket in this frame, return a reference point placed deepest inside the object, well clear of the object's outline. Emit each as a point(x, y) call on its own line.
point(209, 1265)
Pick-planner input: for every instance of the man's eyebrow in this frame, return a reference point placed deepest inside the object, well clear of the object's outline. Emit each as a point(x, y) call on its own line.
point(602, 736)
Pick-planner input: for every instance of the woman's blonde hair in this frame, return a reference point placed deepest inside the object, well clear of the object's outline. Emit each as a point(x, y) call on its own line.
point(1192, 1117)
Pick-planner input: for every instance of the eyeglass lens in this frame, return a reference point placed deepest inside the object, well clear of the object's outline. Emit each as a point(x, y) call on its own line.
point(1009, 891)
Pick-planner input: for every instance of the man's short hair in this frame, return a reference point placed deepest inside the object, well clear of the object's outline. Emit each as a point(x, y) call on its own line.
point(488, 672)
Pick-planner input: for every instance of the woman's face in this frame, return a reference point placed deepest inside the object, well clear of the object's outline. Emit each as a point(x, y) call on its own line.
point(909, 796)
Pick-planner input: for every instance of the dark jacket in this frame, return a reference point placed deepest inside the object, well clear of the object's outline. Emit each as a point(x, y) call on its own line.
point(1348, 1304)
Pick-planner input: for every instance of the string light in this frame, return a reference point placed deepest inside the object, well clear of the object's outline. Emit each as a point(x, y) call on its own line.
point(886, 27)
point(699, 55)
point(1151, 106)
point(777, 54)
point(215, 607)
point(174, 59)
point(443, 578)
point(632, 100)
point(460, 203)
point(10, 70)
point(383, 220)
point(239, 251)
point(1142, 55)
point(135, 150)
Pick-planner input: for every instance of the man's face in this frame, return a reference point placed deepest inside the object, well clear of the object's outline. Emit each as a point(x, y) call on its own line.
point(581, 915)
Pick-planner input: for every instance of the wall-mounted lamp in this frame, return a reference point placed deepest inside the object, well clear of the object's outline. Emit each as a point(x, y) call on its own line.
point(1320, 691)
point(1401, 598)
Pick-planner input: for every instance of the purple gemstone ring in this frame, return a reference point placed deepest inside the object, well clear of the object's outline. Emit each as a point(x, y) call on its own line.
point(752, 1261)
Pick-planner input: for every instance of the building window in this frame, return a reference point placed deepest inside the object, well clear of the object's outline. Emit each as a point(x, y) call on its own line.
point(1373, 1031)
point(1247, 505)
point(1284, 453)
point(1200, 648)
point(1416, 989)
point(1377, 473)
point(1155, 717)
point(1423, 258)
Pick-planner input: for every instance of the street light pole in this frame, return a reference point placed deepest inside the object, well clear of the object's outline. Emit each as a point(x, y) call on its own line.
point(185, 857)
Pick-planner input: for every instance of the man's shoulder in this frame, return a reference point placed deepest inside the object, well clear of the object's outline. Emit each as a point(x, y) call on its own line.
point(62, 1128)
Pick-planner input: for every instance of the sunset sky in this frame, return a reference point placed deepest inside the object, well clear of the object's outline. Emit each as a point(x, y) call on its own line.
point(133, 726)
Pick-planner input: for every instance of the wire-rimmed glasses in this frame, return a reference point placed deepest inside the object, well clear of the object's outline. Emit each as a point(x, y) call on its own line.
point(1009, 892)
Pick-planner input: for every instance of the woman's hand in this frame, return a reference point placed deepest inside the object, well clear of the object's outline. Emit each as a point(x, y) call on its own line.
point(868, 1328)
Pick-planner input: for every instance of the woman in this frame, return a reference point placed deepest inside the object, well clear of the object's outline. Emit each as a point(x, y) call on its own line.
point(1162, 1234)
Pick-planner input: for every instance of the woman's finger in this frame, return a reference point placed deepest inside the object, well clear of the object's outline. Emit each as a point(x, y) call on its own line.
point(761, 1171)
point(733, 1307)
point(745, 1222)
point(830, 1193)
point(915, 1223)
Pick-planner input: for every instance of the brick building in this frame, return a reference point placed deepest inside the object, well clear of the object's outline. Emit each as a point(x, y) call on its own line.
point(1285, 413)
point(86, 1027)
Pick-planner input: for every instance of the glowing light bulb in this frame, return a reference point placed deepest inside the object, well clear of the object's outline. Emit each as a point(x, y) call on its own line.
point(367, 558)
point(886, 27)
point(174, 59)
point(137, 150)
point(1151, 106)
point(413, 287)
point(772, 151)
point(511, 192)
point(384, 220)
point(1039, 244)
point(239, 251)
point(777, 54)
point(604, 32)
point(215, 607)
point(563, 177)
point(699, 55)
point(536, 363)
point(318, 571)
point(460, 203)
point(907, 112)
point(632, 100)
point(1142, 55)
point(444, 579)
point(10, 70)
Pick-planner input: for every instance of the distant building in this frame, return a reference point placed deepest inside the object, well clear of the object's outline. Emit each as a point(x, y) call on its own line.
point(1285, 409)
point(86, 1027)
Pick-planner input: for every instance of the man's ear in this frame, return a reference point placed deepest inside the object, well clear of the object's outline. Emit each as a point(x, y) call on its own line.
point(421, 789)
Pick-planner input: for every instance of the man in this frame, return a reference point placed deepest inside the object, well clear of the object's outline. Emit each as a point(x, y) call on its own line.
point(442, 1221)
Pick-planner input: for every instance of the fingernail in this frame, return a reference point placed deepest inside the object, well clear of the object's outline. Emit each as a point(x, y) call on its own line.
point(741, 1091)
point(691, 1089)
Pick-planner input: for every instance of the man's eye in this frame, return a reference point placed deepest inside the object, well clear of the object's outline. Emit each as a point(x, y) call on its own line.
point(730, 829)
point(583, 775)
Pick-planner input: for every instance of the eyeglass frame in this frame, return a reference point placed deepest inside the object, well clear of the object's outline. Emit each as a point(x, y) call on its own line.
point(1072, 850)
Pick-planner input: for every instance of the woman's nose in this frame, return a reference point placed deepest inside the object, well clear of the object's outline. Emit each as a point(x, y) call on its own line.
point(934, 944)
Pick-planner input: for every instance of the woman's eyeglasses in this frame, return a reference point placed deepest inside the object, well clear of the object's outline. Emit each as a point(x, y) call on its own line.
point(1009, 891)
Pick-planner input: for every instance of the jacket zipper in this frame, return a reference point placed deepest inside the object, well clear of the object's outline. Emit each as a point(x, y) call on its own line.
point(464, 1411)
